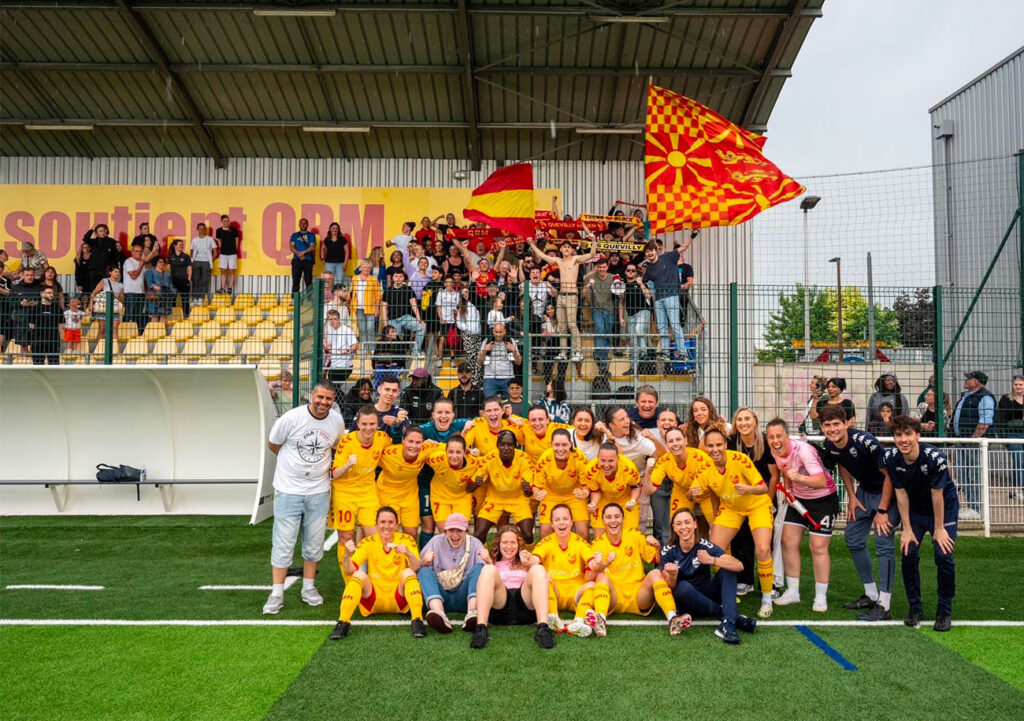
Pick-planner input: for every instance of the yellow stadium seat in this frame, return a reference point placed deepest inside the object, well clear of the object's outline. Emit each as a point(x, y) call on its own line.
point(163, 350)
point(199, 314)
point(271, 369)
point(243, 301)
point(253, 350)
point(252, 316)
point(13, 348)
point(71, 359)
point(237, 331)
point(21, 360)
point(208, 360)
point(93, 333)
point(264, 331)
point(225, 315)
point(122, 360)
point(183, 330)
point(98, 350)
point(176, 315)
point(127, 330)
point(223, 349)
point(154, 331)
point(179, 360)
point(209, 332)
point(280, 348)
point(304, 367)
point(280, 315)
point(220, 301)
point(287, 330)
point(135, 348)
point(194, 348)
point(267, 301)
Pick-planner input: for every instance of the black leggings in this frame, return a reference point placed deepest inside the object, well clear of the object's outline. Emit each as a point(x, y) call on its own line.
point(183, 288)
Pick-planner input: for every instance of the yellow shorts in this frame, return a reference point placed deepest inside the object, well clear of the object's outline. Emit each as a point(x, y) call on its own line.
point(348, 510)
point(407, 504)
point(576, 506)
point(518, 508)
point(758, 518)
point(625, 602)
point(631, 519)
point(478, 499)
point(681, 500)
point(384, 598)
point(566, 595)
point(442, 509)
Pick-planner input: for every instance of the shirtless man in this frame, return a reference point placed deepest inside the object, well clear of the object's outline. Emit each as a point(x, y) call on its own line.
point(567, 302)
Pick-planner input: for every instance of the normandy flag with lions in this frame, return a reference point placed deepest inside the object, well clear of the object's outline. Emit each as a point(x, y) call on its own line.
point(702, 170)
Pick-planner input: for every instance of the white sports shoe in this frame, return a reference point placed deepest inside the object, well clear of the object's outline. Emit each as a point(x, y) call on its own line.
point(555, 622)
point(766, 610)
point(579, 627)
point(969, 514)
point(577, 356)
point(312, 597)
point(788, 598)
point(820, 605)
point(596, 622)
point(275, 603)
point(742, 589)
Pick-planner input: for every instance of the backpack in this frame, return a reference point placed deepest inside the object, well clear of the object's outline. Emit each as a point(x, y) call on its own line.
point(117, 474)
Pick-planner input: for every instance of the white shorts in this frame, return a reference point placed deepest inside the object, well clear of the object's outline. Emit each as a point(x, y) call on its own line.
point(229, 262)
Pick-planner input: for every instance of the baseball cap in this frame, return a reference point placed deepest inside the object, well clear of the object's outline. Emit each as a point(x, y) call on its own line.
point(456, 522)
point(978, 376)
point(421, 373)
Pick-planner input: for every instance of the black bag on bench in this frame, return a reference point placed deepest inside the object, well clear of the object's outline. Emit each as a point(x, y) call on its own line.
point(117, 474)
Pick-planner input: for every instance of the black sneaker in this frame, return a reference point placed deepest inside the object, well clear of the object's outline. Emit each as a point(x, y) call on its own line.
point(861, 604)
point(746, 624)
point(543, 636)
point(875, 613)
point(480, 637)
point(419, 629)
point(913, 618)
point(943, 622)
point(727, 632)
point(341, 629)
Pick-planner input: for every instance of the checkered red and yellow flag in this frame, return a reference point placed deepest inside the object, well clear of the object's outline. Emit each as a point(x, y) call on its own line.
point(702, 170)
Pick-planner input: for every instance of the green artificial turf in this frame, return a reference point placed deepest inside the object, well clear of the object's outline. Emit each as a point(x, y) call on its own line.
point(150, 674)
point(997, 650)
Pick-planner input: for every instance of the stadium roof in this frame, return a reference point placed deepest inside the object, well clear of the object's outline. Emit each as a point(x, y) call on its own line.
point(501, 79)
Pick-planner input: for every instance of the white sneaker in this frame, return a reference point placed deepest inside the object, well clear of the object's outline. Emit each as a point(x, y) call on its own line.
point(788, 598)
point(969, 514)
point(560, 356)
point(742, 589)
point(577, 356)
point(312, 597)
point(1017, 496)
point(820, 605)
point(579, 627)
point(555, 622)
point(597, 622)
point(766, 610)
point(275, 603)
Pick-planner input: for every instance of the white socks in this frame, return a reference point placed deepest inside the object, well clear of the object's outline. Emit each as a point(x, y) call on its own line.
point(793, 584)
point(871, 591)
point(277, 589)
point(820, 590)
point(884, 599)
point(307, 583)
point(766, 598)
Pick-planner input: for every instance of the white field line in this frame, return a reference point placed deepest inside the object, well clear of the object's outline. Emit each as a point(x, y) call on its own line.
point(288, 583)
point(371, 622)
point(49, 587)
point(331, 541)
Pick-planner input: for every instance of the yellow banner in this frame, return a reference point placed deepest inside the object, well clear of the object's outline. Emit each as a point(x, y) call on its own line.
point(55, 217)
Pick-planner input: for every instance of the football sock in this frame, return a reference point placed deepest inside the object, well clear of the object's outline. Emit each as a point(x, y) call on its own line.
point(350, 599)
point(793, 584)
point(423, 539)
point(884, 599)
point(586, 603)
point(307, 583)
point(871, 591)
point(552, 599)
point(820, 590)
point(602, 598)
point(663, 597)
point(414, 596)
point(766, 598)
point(277, 589)
point(765, 573)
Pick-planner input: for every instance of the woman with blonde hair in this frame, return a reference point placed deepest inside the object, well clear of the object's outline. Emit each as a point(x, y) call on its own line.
point(701, 418)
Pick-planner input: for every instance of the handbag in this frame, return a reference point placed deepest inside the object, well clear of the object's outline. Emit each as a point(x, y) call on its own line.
point(452, 577)
point(117, 474)
point(99, 303)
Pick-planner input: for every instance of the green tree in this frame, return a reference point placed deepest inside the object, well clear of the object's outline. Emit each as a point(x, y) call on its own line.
point(915, 313)
point(855, 318)
point(786, 324)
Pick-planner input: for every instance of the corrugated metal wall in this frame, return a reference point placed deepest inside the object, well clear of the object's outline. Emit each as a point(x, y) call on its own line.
point(975, 194)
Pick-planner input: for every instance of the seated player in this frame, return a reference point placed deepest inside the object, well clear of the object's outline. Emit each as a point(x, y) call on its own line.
point(508, 474)
point(510, 592)
point(354, 497)
point(565, 556)
point(389, 584)
point(397, 484)
point(620, 584)
point(612, 478)
point(686, 564)
point(558, 479)
point(452, 484)
point(682, 466)
point(928, 503)
point(738, 492)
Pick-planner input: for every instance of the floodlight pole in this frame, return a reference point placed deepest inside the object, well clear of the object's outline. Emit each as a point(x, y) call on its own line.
point(806, 204)
point(839, 302)
point(872, 346)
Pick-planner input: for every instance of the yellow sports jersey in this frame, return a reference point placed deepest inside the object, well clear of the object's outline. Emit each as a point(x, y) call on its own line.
point(738, 469)
point(360, 478)
point(450, 485)
point(612, 489)
point(506, 481)
point(627, 570)
point(384, 566)
point(398, 475)
point(535, 445)
point(560, 481)
point(698, 464)
point(482, 438)
point(566, 566)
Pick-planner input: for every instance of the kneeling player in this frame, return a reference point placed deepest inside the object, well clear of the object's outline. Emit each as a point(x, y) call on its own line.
point(621, 586)
point(686, 564)
point(389, 584)
point(566, 556)
point(510, 592)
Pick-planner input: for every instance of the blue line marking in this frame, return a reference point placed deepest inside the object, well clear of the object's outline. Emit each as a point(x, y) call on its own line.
point(829, 651)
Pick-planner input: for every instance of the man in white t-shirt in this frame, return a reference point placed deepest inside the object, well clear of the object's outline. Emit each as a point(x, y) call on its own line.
point(203, 250)
point(340, 346)
point(135, 289)
point(303, 440)
point(402, 240)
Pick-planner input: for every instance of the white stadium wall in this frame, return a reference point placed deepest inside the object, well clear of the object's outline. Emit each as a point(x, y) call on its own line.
point(183, 424)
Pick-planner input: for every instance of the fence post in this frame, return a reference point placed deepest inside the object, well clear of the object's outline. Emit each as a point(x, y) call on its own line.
point(734, 346)
point(317, 361)
point(296, 334)
point(986, 511)
point(1020, 233)
point(939, 361)
point(527, 349)
point(108, 329)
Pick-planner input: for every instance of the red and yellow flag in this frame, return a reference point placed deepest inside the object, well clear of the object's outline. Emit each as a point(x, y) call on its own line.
point(505, 200)
point(702, 170)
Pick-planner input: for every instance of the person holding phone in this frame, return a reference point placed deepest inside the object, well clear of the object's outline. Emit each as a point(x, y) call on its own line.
point(498, 357)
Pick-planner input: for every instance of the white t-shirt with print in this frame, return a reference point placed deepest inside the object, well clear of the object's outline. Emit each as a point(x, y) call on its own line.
point(307, 443)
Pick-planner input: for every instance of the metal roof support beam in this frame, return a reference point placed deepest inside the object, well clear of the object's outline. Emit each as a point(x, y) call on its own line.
point(464, 42)
point(298, 124)
point(152, 45)
point(782, 39)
